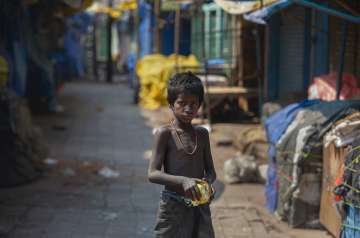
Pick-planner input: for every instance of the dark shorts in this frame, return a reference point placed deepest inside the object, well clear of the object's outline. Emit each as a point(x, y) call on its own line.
point(176, 220)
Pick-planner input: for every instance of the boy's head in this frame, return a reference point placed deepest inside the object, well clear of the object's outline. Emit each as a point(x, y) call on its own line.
point(185, 95)
point(185, 83)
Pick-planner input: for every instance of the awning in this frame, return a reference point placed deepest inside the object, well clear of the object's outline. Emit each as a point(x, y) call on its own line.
point(115, 11)
point(172, 5)
point(261, 16)
point(241, 7)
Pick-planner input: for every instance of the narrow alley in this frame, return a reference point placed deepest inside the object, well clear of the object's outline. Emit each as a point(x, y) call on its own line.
point(100, 128)
point(84, 85)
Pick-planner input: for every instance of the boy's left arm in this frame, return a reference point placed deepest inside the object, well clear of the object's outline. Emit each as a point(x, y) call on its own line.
point(210, 174)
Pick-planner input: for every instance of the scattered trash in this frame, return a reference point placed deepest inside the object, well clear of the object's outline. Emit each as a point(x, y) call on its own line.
point(242, 168)
point(143, 230)
point(110, 216)
point(51, 162)
point(263, 172)
point(147, 155)
point(86, 164)
point(224, 140)
point(108, 173)
point(68, 172)
point(59, 109)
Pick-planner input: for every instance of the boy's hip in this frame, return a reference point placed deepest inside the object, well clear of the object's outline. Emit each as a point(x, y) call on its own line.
point(177, 219)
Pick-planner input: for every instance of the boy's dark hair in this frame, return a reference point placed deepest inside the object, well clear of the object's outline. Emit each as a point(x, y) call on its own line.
point(184, 83)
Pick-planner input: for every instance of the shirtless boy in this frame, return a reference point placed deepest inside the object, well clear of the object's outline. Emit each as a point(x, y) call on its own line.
point(181, 159)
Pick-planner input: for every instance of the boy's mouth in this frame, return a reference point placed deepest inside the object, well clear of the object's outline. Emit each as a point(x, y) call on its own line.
point(187, 117)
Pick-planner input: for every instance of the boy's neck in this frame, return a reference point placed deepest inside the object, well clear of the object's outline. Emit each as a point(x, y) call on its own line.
point(181, 125)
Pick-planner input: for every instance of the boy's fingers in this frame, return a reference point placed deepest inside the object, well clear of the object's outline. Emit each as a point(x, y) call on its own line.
point(193, 194)
point(213, 191)
point(198, 193)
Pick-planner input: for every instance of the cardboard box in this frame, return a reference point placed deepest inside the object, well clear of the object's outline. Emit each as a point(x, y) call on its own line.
point(333, 161)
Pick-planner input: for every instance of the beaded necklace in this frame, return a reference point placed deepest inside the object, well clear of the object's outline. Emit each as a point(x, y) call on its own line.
point(182, 144)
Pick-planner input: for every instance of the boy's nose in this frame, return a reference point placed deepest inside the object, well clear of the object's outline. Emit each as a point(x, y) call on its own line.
point(188, 109)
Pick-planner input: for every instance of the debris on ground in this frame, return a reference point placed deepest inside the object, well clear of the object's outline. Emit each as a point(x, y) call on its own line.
point(51, 162)
point(110, 216)
point(147, 154)
point(242, 168)
point(263, 172)
point(86, 164)
point(106, 172)
point(252, 141)
point(69, 172)
point(224, 140)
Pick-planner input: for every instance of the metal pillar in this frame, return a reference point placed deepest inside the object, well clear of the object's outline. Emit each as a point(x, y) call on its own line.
point(259, 68)
point(109, 69)
point(177, 37)
point(205, 62)
point(342, 59)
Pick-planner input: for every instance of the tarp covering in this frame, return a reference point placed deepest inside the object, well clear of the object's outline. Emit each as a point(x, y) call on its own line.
point(276, 126)
point(324, 87)
point(154, 71)
point(262, 15)
point(299, 160)
point(241, 7)
point(144, 31)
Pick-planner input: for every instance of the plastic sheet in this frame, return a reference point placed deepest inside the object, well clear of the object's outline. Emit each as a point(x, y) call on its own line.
point(324, 87)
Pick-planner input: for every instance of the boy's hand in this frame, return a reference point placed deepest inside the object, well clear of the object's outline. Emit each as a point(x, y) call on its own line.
point(190, 188)
point(213, 191)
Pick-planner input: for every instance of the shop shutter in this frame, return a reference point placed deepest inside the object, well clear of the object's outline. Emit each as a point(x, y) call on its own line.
point(335, 45)
point(352, 55)
point(291, 51)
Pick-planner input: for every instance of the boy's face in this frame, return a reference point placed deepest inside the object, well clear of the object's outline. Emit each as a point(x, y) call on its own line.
point(185, 107)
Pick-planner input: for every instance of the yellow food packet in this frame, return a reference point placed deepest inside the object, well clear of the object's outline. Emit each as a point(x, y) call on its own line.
point(205, 191)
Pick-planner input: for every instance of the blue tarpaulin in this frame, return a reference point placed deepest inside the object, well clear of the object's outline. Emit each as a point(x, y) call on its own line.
point(145, 34)
point(262, 16)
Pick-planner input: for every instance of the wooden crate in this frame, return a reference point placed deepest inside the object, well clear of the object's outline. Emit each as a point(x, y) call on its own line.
point(333, 161)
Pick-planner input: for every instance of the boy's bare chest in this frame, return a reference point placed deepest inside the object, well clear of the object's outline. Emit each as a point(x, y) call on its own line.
point(178, 159)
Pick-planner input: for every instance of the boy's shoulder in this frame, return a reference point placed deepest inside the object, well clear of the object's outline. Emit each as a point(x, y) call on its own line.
point(202, 130)
point(166, 130)
point(162, 130)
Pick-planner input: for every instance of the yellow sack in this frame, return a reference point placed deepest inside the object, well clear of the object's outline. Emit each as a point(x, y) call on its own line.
point(154, 71)
point(4, 72)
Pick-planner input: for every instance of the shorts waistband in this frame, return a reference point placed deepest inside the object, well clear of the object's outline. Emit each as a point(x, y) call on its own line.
point(166, 194)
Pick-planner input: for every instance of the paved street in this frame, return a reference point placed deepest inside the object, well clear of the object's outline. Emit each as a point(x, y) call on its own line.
point(100, 128)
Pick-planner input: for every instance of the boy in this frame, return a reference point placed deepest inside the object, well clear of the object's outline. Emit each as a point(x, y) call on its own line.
point(181, 159)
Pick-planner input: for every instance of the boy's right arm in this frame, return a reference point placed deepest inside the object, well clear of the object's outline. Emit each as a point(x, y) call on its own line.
point(156, 175)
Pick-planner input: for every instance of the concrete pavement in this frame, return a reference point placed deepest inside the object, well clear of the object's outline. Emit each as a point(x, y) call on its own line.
point(100, 128)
